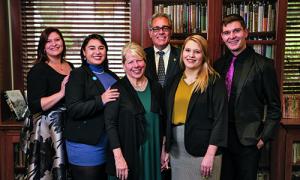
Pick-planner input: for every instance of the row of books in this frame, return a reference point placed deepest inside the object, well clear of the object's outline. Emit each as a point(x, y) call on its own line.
point(186, 17)
point(291, 106)
point(296, 153)
point(258, 16)
point(192, 17)
point(265, 50)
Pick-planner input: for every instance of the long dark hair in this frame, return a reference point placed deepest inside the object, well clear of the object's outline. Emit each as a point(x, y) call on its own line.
point(86, 41)
point(41, 53)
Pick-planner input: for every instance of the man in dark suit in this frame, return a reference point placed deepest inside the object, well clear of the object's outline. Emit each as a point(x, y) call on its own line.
point(254, 102)
point(160, 31)
point(162, 61)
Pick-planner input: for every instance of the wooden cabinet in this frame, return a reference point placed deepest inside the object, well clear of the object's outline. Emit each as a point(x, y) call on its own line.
point(11, 161)
point(285, 164)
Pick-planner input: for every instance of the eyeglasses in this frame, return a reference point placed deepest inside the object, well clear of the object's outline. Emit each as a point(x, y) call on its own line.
point(163, 28)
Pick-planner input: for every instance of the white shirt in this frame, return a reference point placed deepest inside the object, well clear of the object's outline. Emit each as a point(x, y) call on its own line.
point(166, 56)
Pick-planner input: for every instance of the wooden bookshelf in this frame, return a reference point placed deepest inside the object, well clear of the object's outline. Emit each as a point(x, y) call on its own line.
point(289, 129)
point(9, 136)
point(271, 37)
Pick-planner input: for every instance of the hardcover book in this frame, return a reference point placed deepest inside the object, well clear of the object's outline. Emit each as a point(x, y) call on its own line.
point(17, 104)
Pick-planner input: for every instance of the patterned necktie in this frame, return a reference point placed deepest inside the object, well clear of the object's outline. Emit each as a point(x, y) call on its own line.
point(161, 68)
point(229, 76)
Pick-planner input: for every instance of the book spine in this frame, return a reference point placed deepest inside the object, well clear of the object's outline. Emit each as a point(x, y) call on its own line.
point(260, 17)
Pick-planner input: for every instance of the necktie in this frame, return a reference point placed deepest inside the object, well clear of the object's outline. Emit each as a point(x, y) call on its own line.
point(229, 76)
point(161, 68)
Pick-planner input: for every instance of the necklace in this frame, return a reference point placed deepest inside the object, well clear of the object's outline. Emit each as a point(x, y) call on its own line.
point(98, 72)
point(57, 66)
point(142, 86)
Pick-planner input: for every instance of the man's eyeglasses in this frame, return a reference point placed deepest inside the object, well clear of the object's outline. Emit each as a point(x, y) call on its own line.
point(163, 28)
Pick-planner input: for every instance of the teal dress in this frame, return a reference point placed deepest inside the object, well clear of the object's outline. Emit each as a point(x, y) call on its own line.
point(150, 150)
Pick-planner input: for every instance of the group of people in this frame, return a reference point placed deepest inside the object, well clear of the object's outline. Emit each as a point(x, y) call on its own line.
point(172, 109)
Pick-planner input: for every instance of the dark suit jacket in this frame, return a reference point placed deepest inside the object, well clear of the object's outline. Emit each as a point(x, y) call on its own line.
point(85, 109)
point(173, 64)
point(206, 119)
point(255, 87)
point(125, 123)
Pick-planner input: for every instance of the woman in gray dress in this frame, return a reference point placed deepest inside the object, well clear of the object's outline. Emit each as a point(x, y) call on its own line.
point(196, 116)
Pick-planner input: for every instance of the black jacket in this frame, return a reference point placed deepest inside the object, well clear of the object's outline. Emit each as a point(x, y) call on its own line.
point(85, 109)
point(173, 67)
point(255, 87)
point(206, 119)
point(125, 123)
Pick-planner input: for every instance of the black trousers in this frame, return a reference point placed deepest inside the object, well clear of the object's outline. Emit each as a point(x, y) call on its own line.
point(239, 162)
point(88, 172)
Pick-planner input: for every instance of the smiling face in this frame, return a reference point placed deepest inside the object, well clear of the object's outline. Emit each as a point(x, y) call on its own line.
point(54, 45)
point(160, 33)
point(234, 36)
point(134, 66)
point(192, 55)
point(94, 52)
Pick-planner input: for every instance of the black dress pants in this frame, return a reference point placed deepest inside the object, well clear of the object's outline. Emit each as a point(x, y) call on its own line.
point(239, 162)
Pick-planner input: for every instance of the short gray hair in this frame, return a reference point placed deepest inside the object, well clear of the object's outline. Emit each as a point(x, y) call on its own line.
point(159, 15)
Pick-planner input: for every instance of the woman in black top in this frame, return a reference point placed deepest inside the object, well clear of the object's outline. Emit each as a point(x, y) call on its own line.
point(87, 93)
point(46, 91)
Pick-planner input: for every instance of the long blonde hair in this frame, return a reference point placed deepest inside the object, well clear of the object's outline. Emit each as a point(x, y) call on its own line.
point(206, 71)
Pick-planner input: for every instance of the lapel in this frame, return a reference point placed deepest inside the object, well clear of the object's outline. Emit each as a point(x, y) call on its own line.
point(192, 103)
point(94, 79)
point(151, 64)
point(171, 95)
point(173, 60)
point(246, 67)
point(133, 96)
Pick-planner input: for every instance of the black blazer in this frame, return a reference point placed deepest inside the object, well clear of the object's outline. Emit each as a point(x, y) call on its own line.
point(125, 123)
point(85, 109)
point(173, 67)
point(206, 119)
point(256, 88)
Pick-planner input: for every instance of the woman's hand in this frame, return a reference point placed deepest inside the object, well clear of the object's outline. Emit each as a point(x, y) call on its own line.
point(63, 85)
point(49, 101)
point(110, 95)
point(121, 165)
point(206, 166)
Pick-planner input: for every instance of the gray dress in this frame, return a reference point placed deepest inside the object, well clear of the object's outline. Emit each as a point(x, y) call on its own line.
point(186, 166)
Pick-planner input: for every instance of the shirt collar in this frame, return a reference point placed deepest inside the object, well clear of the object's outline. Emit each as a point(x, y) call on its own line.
point(166, 50)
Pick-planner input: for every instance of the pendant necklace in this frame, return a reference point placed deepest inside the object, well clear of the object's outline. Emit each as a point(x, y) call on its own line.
point(98, 72)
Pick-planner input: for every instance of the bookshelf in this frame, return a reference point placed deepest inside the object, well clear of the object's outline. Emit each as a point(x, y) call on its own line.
point(280, 149)
point(9, 151)
point(292, 145)
point(267, 39)
point(192, 17)
point(12, 76)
